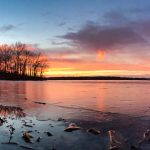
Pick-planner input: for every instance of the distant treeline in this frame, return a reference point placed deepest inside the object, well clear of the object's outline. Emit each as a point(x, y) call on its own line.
point(97, 78)
point(18, 59)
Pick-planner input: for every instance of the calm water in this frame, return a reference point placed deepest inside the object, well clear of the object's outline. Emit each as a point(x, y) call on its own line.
point(72, 99)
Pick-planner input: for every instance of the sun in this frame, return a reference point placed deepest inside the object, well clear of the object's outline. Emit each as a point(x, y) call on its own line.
point(101, 55)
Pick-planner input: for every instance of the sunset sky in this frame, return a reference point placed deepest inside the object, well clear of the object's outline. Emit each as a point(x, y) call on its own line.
point(82, 37)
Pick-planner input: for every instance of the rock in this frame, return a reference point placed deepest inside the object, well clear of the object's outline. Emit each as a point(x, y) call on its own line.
point(27, 137)
point(72, 127)
point(94, 131)
point(48, 134)
point(147, 135)
point(117, 142)
point(38, 139)
point(2, 121)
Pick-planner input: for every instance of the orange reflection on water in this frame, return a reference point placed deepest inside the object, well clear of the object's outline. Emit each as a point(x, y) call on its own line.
point(106, 96)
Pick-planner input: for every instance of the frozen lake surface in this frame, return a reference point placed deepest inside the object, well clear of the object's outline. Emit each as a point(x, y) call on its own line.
point(105, 105)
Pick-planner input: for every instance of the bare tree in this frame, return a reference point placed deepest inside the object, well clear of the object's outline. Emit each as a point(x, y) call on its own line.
point(18, 59)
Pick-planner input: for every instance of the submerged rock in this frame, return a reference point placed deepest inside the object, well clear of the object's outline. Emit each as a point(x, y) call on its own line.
point(94, 131)
point(72, 127)
point(117, 142)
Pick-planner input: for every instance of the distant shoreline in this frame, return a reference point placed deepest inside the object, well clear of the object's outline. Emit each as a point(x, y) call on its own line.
point(15, 77)
point(96, 78)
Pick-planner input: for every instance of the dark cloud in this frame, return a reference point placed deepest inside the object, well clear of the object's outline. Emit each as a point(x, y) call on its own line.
point(7, 28)
point(135, 21)
point(143, 27)
point(93, 36)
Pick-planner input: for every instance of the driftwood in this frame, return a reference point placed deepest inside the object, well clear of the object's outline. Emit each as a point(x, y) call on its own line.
point(117, 142)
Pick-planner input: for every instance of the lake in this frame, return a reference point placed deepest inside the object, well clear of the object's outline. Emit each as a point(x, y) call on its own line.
point(125, 97)
point(100, 104)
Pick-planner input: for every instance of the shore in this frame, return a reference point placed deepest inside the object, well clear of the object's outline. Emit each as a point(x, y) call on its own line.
point(32, 133)
point(21, 131)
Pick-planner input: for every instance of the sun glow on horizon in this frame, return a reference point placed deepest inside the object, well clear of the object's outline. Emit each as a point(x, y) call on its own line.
point(57, 72)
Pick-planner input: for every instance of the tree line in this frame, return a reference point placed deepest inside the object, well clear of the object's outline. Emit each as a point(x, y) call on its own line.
point(18, 59)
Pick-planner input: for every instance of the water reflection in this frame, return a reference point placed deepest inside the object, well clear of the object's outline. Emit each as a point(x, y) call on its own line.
point(105, 96)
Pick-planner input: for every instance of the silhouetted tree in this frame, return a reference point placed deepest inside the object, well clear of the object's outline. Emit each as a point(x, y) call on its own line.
point(18, 59)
